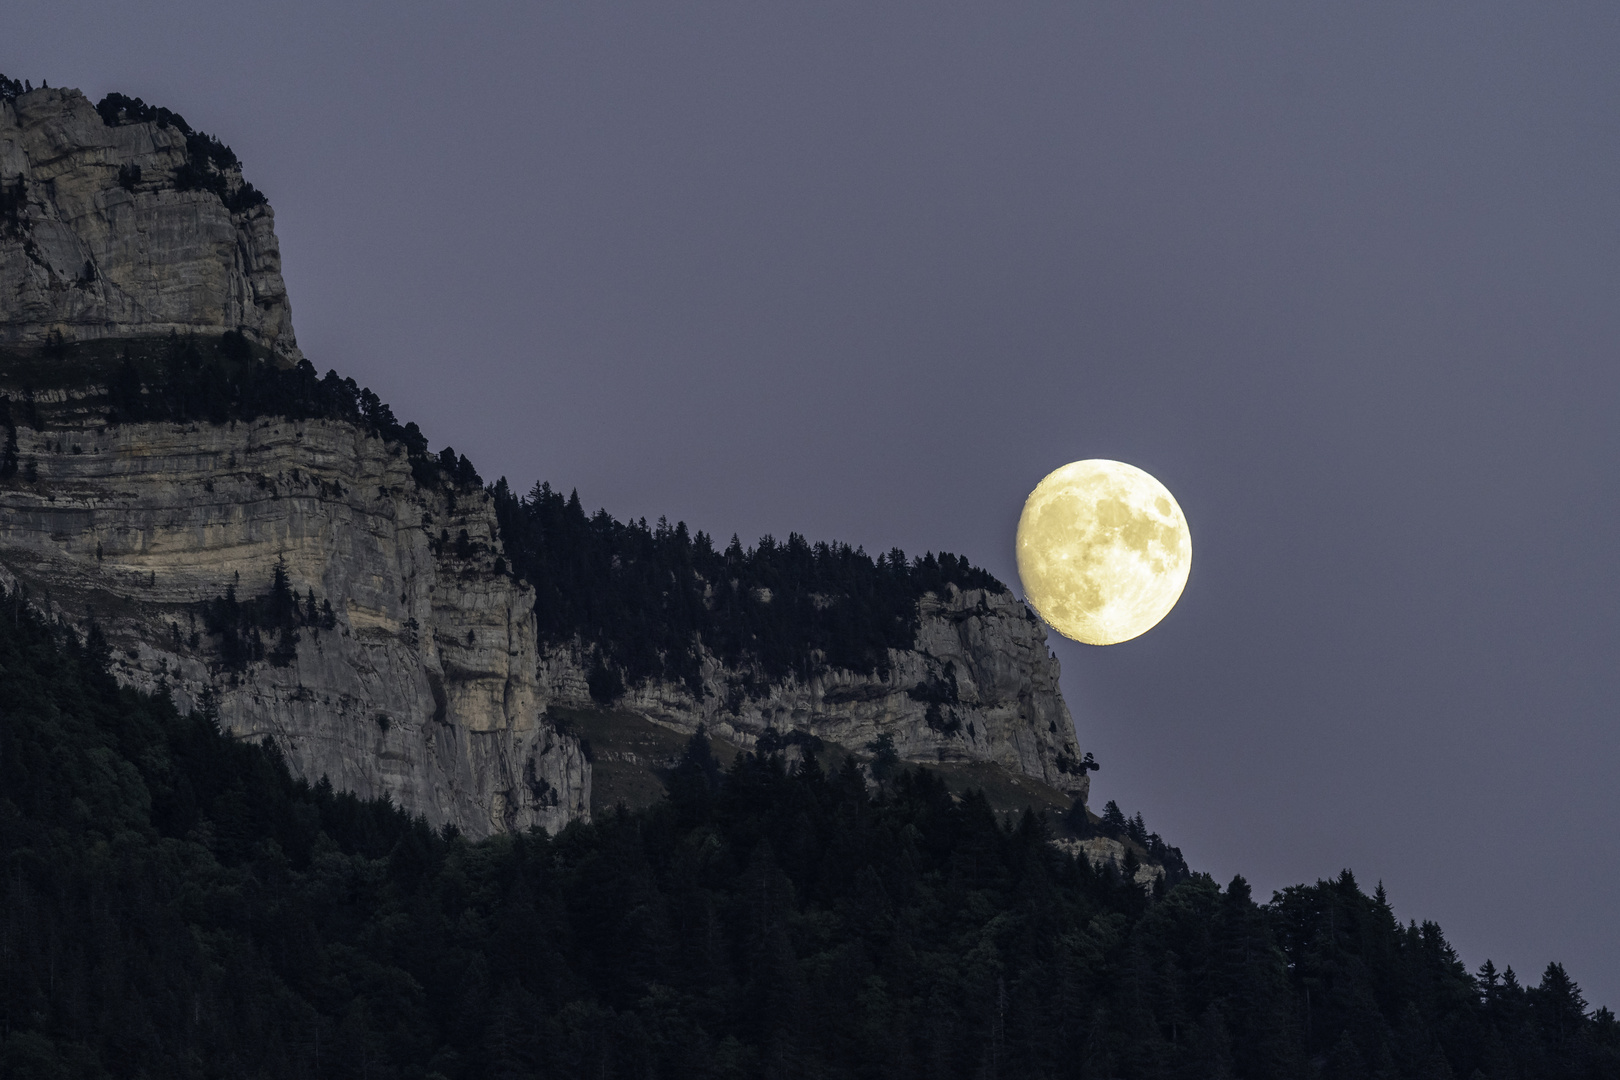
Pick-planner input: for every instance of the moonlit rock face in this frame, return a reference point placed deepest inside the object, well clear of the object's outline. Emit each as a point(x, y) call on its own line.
point(1103, 551)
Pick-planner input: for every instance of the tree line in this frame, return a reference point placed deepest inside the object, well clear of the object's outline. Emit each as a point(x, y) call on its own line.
point(649, 600)
point(175, 904)
point(219, 380)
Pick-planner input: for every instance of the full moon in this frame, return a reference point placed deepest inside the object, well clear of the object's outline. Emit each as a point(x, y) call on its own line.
point(1103, 551)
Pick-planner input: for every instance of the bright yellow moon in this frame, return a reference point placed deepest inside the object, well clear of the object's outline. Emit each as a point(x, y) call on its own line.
point(1103, 551)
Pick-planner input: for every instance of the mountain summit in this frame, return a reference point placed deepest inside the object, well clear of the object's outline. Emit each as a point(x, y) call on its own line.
point(120, 220)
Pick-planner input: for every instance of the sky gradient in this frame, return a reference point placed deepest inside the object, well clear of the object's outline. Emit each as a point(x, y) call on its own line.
point(1346, 279)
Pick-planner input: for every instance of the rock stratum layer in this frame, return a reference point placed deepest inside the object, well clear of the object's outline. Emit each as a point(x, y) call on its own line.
point(424, 688)
point(99, 240)
point(425, 682)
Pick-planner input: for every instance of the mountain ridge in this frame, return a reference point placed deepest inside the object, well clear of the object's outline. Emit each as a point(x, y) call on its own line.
point(175, 470)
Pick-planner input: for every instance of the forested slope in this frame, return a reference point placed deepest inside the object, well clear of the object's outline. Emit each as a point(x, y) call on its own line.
point(175, 905)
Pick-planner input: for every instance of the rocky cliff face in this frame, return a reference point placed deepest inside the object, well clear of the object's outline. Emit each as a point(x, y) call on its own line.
point(979, 685)
point(423, 688)
point(97, 239)
point(425, 681)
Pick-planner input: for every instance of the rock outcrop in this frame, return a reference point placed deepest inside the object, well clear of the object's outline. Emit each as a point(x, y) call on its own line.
point(424, 686)
point(99, 241)
point(1103, 851)
point(979, 685)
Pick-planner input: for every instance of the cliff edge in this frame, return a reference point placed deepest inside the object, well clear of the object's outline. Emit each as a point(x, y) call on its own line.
point(978, 685)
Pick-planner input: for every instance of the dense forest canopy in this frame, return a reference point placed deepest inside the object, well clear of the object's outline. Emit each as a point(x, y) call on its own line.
point(176, 905)
point(645, 599)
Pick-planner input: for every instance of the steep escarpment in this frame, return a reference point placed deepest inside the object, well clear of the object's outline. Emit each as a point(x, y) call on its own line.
point(420, 684)
point(126, 222)
point(274, 546)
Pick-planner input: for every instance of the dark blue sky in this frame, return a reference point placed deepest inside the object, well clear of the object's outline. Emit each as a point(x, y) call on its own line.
point(1345, 278)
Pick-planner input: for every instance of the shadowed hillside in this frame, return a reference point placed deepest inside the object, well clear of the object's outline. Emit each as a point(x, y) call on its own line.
point(177, 905)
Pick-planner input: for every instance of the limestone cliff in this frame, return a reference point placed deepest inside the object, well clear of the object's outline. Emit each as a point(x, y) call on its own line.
point(425, 687)
point(978, 685)
point(112, 231)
